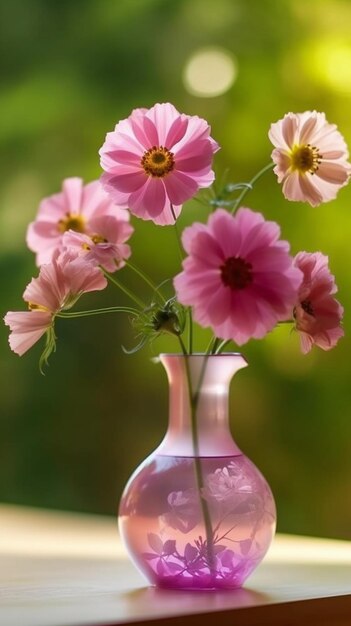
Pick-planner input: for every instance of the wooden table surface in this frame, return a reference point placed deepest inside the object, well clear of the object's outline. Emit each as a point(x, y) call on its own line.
point(62, 569)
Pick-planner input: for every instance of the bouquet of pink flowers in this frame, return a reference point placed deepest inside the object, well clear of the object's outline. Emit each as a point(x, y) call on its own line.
point(238, 277)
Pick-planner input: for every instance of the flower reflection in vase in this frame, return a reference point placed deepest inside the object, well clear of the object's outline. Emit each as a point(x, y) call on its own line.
point(198, 514)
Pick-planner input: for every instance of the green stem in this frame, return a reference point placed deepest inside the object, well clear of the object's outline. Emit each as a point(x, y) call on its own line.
point(190, 315)
point(212, 345)
point(179, 242)
point(146, 279)
point(251, 183)
point(200, 201)
point(110, 309)
point(215, 345)
point(222, 345)
point(125, 290)
point(182, 345)
point(194, 399)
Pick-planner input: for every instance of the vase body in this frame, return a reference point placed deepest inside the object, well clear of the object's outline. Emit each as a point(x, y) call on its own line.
point(197, 513)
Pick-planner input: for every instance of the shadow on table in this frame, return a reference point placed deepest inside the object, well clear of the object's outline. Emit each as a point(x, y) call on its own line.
point(165, 602)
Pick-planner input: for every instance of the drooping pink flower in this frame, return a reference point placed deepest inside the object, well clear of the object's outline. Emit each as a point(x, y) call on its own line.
point(58, 286)
point(106, 247)
point(310, 156)
point(155, 160)
point(74, 208)
point(27, 327)
point(318, 314)
point(239, 277)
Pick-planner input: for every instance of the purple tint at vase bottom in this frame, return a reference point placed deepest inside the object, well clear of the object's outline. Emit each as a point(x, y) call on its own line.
point(180, 537)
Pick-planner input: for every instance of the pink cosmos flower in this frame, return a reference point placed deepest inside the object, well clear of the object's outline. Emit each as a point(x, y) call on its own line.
point(106, 246)
point(74, 208)
point(310, 156)
point(58, 287)
point(318, 314)
point(239, 277)
point(155, 160)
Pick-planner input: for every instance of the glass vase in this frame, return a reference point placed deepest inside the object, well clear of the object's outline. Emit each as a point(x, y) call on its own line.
point(197, 513)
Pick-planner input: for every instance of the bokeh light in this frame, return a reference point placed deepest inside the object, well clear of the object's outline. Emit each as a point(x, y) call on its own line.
point(330, 61)
point(210, 72)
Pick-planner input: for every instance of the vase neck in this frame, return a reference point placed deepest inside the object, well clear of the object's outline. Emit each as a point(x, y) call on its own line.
point(198, 404)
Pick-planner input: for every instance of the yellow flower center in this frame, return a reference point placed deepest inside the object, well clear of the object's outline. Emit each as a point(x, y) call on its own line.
point(71, 221)
point(98, 239)
point(37, 307)
point(95, 239)
point(305, 158)
point(158, 161)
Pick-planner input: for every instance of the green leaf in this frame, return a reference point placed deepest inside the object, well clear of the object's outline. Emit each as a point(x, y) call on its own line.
point(50, 346)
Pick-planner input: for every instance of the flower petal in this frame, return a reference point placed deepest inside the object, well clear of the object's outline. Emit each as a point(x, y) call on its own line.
point(176, 131)
point(128, 183)
point(151, 199)
point(180, 187)
point(27, 327)
point(162, 116)
point(332, 173)
point(144, 130)
point(72, 190)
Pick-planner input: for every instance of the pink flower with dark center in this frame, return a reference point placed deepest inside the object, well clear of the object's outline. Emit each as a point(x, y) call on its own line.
point(58, 286)
point(155, 160)
point(106, 247)
point(310, 156)
point(318, 314)
point(74, 208)
point(239, 277)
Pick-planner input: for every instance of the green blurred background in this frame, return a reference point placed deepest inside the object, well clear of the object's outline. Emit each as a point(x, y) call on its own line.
point(70, 71)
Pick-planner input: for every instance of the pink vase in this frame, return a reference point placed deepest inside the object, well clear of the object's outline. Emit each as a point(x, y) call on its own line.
point(197, 513)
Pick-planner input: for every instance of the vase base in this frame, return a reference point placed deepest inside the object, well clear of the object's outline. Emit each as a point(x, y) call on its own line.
point(200, 586)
